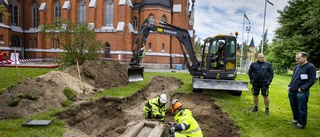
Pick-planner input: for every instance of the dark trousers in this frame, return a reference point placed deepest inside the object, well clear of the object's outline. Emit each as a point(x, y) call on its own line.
point(299, 106)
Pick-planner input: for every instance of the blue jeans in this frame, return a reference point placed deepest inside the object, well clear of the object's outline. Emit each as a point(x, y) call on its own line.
point(299, 106)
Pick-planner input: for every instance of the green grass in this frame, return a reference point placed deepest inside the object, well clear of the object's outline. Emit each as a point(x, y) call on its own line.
point(8, 75)
point(238, 108)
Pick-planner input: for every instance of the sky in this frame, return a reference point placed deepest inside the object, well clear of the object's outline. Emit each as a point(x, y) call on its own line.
point(214, 17)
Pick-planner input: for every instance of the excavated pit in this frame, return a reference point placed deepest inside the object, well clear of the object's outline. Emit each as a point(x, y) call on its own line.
point(113, 116)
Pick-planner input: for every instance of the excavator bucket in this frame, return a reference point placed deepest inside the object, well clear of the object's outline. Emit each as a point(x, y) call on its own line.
point(232, 85)
point(135, 74)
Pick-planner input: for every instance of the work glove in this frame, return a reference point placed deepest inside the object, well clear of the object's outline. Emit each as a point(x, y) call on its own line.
point(171, 130)
point(170, 124)
point(159, 116)
point(252, 81)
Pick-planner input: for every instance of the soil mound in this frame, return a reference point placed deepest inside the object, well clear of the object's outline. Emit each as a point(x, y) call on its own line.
point(101, 75)
point(44, 92)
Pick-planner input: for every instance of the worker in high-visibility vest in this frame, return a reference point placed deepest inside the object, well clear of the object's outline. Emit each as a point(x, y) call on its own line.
point(186, 125)
point(156, 107)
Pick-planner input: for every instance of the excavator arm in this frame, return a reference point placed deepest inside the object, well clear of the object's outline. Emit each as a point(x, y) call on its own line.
point(181, 34)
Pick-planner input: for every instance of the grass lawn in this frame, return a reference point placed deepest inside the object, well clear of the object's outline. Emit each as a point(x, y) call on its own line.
point(277, 124)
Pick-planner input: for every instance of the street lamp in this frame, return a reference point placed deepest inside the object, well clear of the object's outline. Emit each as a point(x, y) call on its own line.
point(248, 31)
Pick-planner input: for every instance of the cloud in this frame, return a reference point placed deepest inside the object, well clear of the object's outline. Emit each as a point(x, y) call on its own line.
point(214, 17)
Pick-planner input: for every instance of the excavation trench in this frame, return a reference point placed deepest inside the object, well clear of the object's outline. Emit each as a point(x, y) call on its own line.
point(113, 116)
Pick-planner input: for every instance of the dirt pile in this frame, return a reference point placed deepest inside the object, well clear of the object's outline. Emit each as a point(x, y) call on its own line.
point(101, 75)
point(44, 92)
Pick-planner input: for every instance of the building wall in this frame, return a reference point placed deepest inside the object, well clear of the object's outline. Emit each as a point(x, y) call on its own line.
point(37, 45)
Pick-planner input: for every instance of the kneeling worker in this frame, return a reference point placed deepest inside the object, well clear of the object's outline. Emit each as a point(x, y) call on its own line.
point(186, 125)
point(156, 107)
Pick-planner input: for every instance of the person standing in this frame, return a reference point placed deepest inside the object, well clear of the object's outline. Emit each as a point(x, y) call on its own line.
point(304, 76)
point(186, 125)
point(156, 107)
point(261, 75)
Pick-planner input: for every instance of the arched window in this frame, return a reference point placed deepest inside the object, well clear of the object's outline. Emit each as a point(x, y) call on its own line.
point(149, 47)
point(162, 47)
point(164, 18)
point(57, 12)
point(82, 11)
point(14, 12)
point(35, 15)
point(15, 41)
point(108, 18)
point(135, 23)
point(58, 44)
point(52, 43)
point(151, 19)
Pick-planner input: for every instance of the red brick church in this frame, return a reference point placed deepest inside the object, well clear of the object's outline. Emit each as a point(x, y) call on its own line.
point(115, 22)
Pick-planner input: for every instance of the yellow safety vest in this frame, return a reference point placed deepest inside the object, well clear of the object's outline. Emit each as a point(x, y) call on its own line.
point(184, 116)
point(153, 105)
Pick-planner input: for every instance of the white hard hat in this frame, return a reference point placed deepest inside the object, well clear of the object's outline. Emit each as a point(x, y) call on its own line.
point(163, 98)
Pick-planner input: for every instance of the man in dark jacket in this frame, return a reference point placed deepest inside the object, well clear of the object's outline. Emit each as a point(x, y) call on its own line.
point(304, 76)
point(261, 75)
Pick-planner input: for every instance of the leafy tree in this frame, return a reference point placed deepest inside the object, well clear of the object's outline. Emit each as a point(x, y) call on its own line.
point(299, 31)
point(78, 41)
point(197, 47)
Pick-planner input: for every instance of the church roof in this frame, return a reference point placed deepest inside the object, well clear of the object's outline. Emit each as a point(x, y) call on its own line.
point(251, 43)
point(165, 3)
point(3, 2)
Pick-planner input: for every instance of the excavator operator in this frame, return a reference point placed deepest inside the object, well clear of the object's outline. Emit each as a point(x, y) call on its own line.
point(156, 107)
point(218, 57)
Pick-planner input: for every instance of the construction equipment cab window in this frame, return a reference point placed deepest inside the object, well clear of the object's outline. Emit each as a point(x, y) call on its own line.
point(221, 51)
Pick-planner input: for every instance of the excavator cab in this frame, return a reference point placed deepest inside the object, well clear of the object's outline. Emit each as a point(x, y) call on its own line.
point(219, 63)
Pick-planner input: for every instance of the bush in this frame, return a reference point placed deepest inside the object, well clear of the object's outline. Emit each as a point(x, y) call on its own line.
point(69, 93)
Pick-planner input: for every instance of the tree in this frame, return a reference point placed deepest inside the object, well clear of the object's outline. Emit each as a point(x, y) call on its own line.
point(298, 31)
point(78, 41)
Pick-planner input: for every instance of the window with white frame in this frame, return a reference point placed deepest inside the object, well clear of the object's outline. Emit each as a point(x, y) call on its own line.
point(35, 15)
point(57, 12)
point(14, 12)
point(108, 17)
point(82, 11)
